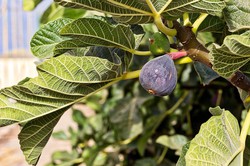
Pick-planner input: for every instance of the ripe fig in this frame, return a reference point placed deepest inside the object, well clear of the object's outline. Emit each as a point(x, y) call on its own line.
point(159, 76)
point(159, 44)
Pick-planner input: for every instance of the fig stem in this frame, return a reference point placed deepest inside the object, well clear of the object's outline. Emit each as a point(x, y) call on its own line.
point(244, 130)
point(186, 20)
point(177, 55)
point(162, 156)
point(161, 26)
point(141, 53)
point(183, 61)
point(131, 75)
point(198, 22)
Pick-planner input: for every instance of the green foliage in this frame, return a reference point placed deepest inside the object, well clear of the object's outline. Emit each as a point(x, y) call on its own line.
point(233, 54)
point(217, 143)
point(94, 55)
point(237, 15)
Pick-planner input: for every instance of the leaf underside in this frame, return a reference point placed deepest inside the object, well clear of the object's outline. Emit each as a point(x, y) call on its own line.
point(134, 11)
point(216, 143)
point(237, 15)
point(37, 103)
point(232, 55)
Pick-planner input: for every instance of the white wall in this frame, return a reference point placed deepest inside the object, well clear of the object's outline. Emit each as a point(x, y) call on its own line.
point(13, 70)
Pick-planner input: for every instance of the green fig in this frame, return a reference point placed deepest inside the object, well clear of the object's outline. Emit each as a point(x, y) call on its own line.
point(159, 44)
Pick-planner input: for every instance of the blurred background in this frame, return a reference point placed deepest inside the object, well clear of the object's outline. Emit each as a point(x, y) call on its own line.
point(17, 26)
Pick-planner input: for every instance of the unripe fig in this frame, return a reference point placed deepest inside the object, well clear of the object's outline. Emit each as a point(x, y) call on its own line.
point(159, 44)
point(159, 76)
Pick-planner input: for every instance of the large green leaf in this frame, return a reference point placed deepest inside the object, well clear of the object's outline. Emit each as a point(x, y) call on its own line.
point(97, 32)
point(237, 15)
point(178, 7)
point(61, 81)
point(44, 40)
point(36, 133)
point(134, 11)
point(232, 55)
point(217, 143)
point(122, 10)
point(112, 54)
point(37, 103)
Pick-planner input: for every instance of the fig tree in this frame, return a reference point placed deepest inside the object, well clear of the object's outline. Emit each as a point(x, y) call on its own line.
point(159, 76)
point(159, 44)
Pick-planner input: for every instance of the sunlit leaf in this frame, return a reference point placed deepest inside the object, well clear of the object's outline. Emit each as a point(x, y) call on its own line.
point(216, 143)
point(181, 161)
point(37, 103)
point(36, 133)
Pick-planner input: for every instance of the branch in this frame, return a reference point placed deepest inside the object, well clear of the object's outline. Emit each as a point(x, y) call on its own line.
point(197, 52)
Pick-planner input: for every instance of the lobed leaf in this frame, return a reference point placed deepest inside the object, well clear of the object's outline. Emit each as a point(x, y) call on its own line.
point(217, 142)
point(45, 39)
point(37, 103)
point(232, 55)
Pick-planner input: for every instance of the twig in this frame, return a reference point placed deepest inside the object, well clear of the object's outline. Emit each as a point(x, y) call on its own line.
point(197, 52)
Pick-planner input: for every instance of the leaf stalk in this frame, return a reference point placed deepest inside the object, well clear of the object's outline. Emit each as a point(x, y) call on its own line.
point(131, 75)
point(198, 22)
point(141, 53)
point(186, 20)
point(158, 20)
point(244, 130)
